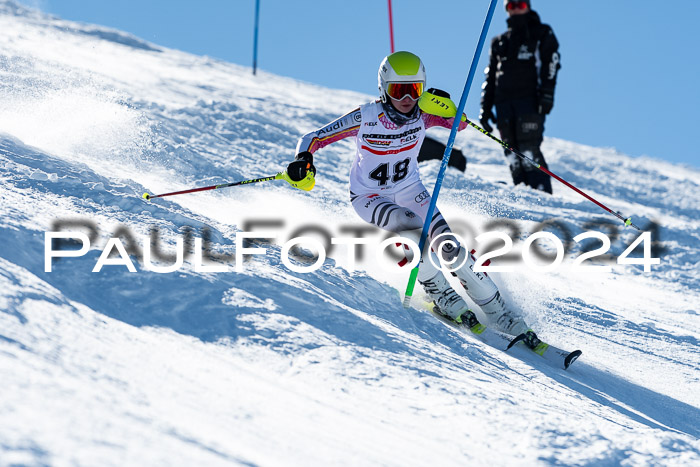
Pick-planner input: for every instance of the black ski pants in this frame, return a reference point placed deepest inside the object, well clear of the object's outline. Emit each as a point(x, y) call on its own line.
point(522, 127)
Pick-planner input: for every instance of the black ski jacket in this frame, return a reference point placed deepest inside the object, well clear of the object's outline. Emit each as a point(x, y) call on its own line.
point(523, 61)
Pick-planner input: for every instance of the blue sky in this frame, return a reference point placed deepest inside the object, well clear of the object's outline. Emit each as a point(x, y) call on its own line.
point(629, 78)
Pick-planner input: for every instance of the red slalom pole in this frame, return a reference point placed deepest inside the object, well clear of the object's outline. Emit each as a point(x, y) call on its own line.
point(391, 28)
point(627, 221)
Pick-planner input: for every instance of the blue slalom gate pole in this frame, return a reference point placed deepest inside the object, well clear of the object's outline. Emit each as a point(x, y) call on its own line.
point(255, 36)
point(448, 151)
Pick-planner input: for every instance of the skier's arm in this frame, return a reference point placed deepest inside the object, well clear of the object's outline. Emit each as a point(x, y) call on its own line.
point(438, 109)
point(549, 54)
point(488, 89)
point(344, 127)
point(434, 120)
point(301, 172)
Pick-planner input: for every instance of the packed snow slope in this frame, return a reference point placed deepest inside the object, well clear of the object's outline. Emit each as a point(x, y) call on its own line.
point(267, 366)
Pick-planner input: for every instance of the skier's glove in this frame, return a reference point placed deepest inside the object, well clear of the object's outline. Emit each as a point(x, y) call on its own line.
point(437, 102)
point(300, 173)
point(484, 117)
point(545, 101)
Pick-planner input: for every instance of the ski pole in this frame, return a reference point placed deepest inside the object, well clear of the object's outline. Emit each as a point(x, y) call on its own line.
point(627, 221)
point(448, 150)
point(278, 176)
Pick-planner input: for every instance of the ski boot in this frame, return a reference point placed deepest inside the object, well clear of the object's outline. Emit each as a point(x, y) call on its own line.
point(448, 303)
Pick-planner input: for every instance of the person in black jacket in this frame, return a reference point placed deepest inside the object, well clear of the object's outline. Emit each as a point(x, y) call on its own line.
point(520, 81)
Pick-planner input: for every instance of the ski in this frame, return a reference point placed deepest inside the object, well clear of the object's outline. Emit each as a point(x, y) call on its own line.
point(551, 354)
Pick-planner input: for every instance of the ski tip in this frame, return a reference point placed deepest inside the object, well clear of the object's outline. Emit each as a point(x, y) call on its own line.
point(571, 358)
point(146, 196)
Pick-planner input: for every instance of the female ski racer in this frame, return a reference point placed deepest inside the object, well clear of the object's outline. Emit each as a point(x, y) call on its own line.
point(386, 189)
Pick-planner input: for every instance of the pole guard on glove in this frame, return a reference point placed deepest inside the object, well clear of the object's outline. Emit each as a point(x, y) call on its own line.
point(307, 183)
point(300, 173)
point(438, 102)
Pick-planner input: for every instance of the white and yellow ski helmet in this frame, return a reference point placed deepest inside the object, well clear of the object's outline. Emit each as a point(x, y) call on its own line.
point(400, 67)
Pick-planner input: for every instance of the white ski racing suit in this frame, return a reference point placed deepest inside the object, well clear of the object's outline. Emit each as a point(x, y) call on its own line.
point(386, 190)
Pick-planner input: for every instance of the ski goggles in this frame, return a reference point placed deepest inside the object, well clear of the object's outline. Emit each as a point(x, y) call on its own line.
point(400, 90)
point(510, 6)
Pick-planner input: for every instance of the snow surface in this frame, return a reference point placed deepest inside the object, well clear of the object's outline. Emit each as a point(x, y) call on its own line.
point(271, 367)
